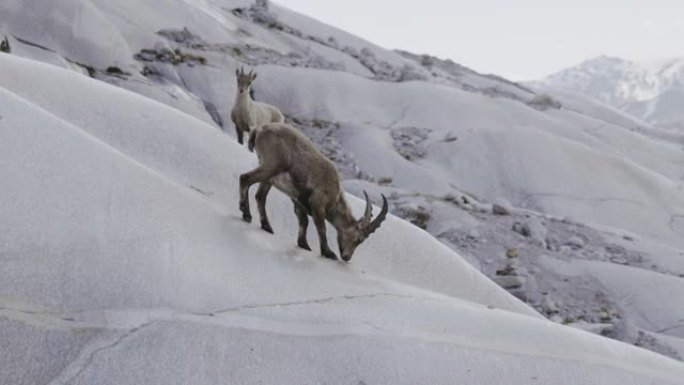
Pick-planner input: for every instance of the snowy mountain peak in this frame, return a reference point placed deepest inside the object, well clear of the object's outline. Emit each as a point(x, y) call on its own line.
point(642, 89)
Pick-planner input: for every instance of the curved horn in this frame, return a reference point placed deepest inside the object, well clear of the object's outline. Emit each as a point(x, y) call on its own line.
point(365, 220)
point(242, 70)
point(379, 219)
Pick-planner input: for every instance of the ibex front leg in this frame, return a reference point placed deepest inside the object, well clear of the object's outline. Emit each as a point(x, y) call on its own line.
point(319, 221)
point(258, 175)
point(303, 219)
point(240, 135)
point(238, 128)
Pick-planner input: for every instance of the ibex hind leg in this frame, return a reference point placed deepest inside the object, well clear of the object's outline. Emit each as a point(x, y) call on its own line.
point(303, 219)
point(258, 175)
point(262, 193)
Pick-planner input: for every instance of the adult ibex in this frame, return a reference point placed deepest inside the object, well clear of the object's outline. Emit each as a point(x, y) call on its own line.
point(289, 161)
point(248, 114)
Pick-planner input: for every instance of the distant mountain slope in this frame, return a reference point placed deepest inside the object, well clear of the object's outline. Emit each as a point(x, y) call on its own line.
point(653, 92)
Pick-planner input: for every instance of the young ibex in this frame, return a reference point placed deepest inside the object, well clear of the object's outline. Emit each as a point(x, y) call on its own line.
point(292, 163)
point(248, 114)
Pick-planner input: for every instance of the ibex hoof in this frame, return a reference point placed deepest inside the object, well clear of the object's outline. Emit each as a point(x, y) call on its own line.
point(304, 245)
point(267, 228)
point(247, 217)
point(329, 255)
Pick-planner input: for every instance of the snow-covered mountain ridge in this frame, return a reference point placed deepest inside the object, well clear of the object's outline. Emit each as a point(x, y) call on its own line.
point(132, 268)
point(650, 91)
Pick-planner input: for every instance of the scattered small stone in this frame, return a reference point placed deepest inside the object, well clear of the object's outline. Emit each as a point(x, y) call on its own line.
point(552, 243)
point(625, 331)
point(604, 316)
point(575, 242)
point(166, 55)
point(473, 234)
point(616, 249)
point(569, 220)
point(619, 260)
point(520, 293)
point(114, 70)
point(409, 141)
point(534, 229)
point(510, 281)
point(518, 228)
point(565, 249)
point(508, 270)
point(183, 36)
point(548, 305)
point(5, 46)
point(512, 253)
point(419, 215)
point(544, 102)
point(386, 180)
point(502, 207)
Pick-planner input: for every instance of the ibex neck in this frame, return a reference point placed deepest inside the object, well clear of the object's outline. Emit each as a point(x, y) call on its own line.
point(243, 98)
point(340, 216)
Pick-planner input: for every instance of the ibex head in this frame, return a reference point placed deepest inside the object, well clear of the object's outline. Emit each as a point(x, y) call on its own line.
point(244, 80)
point(351, 237)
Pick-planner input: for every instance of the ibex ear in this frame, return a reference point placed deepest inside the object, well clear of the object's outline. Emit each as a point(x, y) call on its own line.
point(253, 77)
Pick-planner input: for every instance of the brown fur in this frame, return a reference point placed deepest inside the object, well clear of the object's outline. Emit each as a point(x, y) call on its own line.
point(292, 163)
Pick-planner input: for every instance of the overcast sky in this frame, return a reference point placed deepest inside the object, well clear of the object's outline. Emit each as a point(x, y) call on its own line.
point(518, 39)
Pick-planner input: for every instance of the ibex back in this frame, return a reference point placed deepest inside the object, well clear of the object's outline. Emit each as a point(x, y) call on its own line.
point(292, 163)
